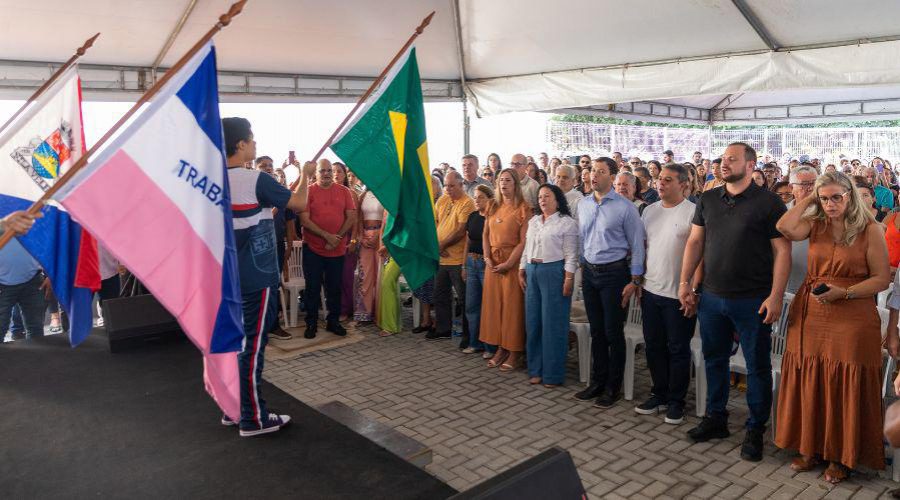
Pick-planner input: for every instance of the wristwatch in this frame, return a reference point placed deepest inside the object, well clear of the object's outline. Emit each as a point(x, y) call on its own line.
point(637, 281)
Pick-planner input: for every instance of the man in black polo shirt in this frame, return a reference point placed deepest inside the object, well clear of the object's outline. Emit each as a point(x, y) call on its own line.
point(746, 263)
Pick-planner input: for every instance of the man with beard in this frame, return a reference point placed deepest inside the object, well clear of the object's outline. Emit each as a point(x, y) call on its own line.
point(746, 262)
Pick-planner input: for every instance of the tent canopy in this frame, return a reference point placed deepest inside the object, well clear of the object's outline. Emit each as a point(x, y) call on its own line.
point(704, 61)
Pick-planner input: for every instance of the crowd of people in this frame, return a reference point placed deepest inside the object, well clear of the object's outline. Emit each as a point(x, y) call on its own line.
point(711, 241)
point(716, 241)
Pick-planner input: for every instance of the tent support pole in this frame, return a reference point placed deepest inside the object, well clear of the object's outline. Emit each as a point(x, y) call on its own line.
point(169, 41)
point(756, 24)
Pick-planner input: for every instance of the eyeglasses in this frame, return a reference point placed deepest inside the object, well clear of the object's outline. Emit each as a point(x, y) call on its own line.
point(835, 198)
point(515, 163)
point(804, 184)
point(635, 163)
point(786, 195)
point(487, 174)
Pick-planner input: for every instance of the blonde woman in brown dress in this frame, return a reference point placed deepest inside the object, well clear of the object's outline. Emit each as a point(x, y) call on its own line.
point(503, 302)
point(829, 401)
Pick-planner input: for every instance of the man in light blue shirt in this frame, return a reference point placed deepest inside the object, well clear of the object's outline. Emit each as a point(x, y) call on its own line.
point(21, 282)
point(612, 249)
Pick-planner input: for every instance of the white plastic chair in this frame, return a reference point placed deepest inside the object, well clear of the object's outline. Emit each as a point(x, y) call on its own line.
point(582, 333)
point(293, 285)
point(883, 296)
point(634, 336)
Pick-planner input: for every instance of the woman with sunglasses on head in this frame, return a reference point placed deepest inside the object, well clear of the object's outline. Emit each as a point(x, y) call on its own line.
point(488, 175)
point(829, 401)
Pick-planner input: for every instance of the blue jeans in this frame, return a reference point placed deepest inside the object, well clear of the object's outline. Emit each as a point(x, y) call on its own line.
point(474, 287)
point(602, 287)
point(30, 298)
point(260, 312)
point(546, 322)
point(667, 335)
point(719, 319)
point(17, 324)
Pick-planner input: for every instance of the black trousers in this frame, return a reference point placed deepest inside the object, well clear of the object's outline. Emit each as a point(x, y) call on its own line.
point(319, 271)
point(602, 288)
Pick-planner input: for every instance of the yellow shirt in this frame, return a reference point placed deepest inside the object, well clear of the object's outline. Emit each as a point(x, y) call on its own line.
point(450, 215)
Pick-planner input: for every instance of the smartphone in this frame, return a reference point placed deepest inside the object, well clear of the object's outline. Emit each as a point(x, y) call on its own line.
point(879, 167)
point(822, 288)
point(291, 158)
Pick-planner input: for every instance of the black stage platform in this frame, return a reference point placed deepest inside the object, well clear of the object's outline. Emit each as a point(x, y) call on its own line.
point(82, 422)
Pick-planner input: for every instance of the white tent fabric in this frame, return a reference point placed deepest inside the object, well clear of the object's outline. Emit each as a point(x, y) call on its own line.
point(826, 68)
point(514, 55)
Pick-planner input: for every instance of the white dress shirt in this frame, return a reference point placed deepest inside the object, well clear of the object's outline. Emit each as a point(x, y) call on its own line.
point(573, 197)
point(552, 240)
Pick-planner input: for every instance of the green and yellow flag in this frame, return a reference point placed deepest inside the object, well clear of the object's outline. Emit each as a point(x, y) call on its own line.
point(385, 147)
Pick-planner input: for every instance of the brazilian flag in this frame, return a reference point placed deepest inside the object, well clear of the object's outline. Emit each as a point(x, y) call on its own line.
point(385, 146)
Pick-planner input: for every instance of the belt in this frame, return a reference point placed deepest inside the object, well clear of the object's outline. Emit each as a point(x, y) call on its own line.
point(476, 256)
point(369, 228)
point(537, 261)
point(607, 266)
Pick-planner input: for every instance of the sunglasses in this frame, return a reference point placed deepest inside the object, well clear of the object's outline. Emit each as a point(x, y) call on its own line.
point(487, 174)
point(835, 198)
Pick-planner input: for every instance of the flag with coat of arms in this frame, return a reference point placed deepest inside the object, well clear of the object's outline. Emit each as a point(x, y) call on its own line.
point(35, 151)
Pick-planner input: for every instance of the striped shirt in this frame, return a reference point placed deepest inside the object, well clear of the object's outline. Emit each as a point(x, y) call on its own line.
point(253, 195)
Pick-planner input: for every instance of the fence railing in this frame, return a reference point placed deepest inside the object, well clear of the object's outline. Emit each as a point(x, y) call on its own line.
point(828, 144)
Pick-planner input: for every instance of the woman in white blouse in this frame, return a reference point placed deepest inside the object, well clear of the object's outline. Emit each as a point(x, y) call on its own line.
point(547, 275)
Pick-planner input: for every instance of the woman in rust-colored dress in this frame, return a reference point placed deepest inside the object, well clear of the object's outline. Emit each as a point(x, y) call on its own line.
point(503, 302)
point(829, 401)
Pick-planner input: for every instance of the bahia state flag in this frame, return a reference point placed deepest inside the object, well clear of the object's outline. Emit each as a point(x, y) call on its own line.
point(35, 151)
point(385, 146)
point(157, 198)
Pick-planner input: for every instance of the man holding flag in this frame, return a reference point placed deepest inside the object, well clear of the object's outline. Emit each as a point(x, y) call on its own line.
point(253, 191)
point(160, 199)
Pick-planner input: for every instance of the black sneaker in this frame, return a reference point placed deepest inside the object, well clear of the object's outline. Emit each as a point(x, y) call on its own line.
point(226, 421)
point(607, 400)
point(674, 414)
point(336, 329)
point(435, 335)
point(271, 424)
point(589, 394)
point(652, 406)
point(279, 334)
point(310, 332)
point(709, 428)
point(752, 449)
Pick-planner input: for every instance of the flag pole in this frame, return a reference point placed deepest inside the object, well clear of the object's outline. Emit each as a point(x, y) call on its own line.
point(419, 29)
point(224, 20)
point(37, 93)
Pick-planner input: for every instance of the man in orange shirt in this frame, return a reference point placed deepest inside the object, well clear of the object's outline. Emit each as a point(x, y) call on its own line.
point(451, 211)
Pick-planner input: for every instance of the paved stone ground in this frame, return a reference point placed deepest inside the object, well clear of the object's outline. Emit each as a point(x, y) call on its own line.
point(479, 422)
